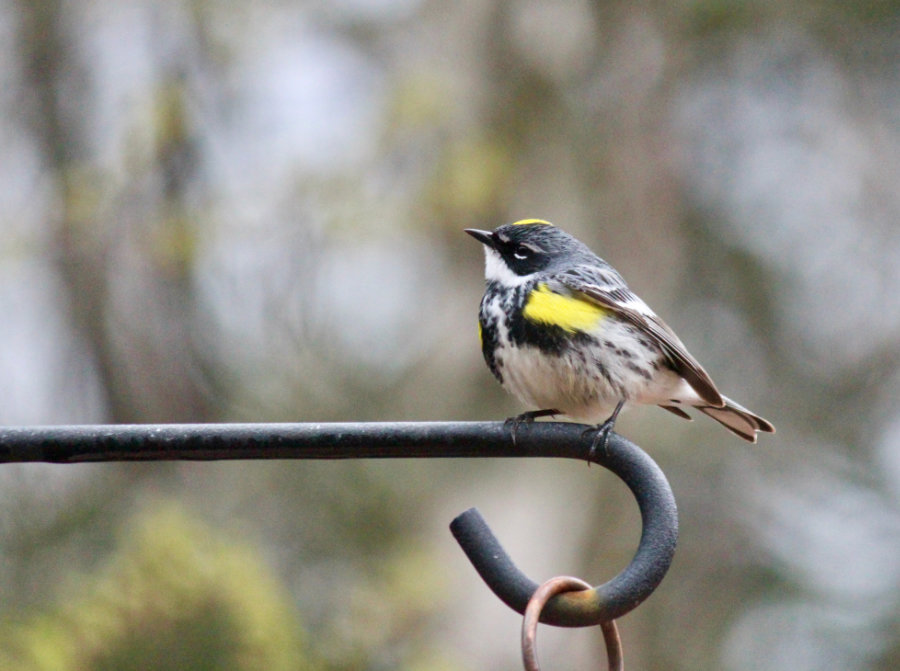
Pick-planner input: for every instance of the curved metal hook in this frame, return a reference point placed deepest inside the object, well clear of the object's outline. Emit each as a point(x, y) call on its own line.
point(147, 442)
point(612, 599)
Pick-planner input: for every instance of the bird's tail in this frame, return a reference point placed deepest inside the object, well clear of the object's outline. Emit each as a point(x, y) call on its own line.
point(737, 419)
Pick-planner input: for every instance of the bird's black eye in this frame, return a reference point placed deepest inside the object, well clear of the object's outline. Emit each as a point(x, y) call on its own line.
point(522, 252)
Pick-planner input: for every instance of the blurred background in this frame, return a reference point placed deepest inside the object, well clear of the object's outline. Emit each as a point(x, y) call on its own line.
point(217, 211)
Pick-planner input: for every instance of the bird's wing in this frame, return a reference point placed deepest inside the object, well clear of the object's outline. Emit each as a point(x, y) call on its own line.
point(606, 288)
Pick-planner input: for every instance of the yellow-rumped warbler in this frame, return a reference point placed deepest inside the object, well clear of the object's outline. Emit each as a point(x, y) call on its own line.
point(564, 334)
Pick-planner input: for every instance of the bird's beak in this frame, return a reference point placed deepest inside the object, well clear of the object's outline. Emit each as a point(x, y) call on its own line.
point(484, 237)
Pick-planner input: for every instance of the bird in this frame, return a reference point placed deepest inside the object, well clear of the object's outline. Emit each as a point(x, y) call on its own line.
point(563, 333)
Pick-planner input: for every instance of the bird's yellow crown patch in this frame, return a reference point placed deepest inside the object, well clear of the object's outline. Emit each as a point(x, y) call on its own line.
point(571, 313)
point(523, 222)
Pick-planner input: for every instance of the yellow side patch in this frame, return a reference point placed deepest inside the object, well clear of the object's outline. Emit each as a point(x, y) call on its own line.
point(570, 313)
point(522, 222)
point(480, 334)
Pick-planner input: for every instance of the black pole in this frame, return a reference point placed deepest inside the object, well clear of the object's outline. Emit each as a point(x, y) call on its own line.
point(162, 442)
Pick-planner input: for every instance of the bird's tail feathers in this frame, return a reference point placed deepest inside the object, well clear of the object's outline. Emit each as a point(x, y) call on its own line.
point(737, 419)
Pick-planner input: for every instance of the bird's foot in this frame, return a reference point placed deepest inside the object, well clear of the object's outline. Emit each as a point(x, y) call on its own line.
point(527, 418)
point(600, 438)
point(601, 433)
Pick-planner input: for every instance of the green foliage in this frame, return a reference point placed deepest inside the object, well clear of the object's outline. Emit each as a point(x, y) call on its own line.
point(175, 596)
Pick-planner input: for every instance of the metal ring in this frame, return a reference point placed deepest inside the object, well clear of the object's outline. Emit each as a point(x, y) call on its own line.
point(536, 604)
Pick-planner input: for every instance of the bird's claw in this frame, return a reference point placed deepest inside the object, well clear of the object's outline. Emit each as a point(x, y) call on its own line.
point(600, 438)
point(601, 433)
point(526, 418)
